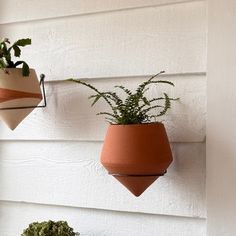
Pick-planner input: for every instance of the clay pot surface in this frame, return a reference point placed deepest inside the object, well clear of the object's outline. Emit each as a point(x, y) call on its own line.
point(136, 154)
point(18, 91)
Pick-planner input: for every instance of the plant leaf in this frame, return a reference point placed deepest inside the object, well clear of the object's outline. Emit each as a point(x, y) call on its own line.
point(2, 63)
point(96, 98)
point(18, 63)
point(124, 89)
point(25, 69)
point(145, 100)
point(17, 51)
point(23, 42)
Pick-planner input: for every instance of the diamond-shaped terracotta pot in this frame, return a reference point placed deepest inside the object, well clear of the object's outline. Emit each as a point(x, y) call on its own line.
point(136, 155)
point(18, 91)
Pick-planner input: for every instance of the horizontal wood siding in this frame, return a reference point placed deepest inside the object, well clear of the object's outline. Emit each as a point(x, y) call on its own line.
point(127, 43)
point(91, 222)
point(69, 115)
point(35, 10)
point(69, 174)
point(49, 166)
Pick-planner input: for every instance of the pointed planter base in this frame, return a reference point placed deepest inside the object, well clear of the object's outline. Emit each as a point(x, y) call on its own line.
point(136, 155)
point(136, 184)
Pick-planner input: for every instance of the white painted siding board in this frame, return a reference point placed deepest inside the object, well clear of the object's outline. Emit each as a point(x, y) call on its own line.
point(123, 43)
point(69, 174)
point(35, 10)
point(90, 222)
point(221, 126)
point(69, 116)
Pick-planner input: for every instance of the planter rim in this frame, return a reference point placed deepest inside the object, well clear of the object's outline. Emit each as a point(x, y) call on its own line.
point(17, 68)
point(140, 124)
point(15, 71)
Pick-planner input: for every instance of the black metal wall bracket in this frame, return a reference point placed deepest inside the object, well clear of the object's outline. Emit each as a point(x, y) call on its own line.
point(148, 175)
point(41, 83)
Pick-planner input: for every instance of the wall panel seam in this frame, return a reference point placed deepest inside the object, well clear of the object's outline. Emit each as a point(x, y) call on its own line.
point(98, 12)
point(100, 209)
point(203, 73)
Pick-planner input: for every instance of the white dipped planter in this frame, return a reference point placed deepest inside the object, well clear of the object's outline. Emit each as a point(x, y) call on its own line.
point(18, 91)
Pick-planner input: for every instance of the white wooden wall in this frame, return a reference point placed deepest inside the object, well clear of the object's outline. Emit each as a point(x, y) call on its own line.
point(49, 166)
point(221, 136)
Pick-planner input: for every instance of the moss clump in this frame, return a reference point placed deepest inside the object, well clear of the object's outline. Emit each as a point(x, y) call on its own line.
point(49, 228)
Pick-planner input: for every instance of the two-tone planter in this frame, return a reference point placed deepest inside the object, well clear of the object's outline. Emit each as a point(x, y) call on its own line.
point(136, 155)
point(17, 91)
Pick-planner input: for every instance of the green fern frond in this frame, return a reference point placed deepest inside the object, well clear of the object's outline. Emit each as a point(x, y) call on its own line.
point(127, 91)
point(135, 108)
point(166, 106)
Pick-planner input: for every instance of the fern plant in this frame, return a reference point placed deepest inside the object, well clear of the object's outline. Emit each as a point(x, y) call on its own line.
point(136, 108)
point(6, 50)
point(49, 228)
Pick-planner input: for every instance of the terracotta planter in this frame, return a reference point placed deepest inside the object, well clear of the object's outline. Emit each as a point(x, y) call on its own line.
point(136, 155)
point(18, 91)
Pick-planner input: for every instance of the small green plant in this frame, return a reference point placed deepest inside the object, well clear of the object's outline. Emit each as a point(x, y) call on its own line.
point(136, 107)
point(6, 50)
point(49, 228)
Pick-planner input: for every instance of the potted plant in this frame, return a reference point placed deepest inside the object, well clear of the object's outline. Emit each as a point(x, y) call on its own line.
point(49, 228)
point(19, 87)
point(136, 149)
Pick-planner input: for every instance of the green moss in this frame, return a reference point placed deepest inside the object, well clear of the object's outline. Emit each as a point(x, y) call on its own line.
point(49, 228)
